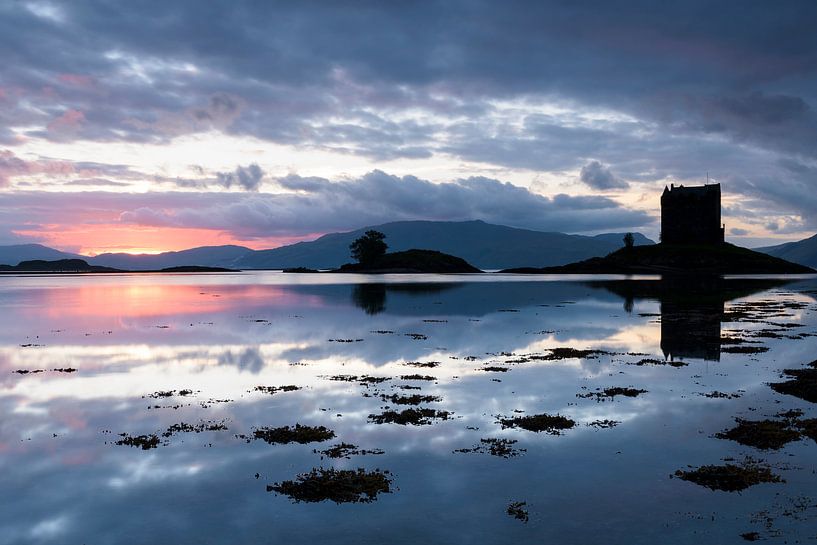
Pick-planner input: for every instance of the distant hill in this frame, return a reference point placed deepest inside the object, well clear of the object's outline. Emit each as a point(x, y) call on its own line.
point(481, 244)
point(14, 254)
point(204, 256)
point(55, 266)
point(803, 252)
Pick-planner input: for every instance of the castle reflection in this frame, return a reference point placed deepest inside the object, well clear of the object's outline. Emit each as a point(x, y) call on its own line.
point(692, 309)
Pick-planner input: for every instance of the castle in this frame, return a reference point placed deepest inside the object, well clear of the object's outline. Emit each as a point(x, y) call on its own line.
point(691, 215)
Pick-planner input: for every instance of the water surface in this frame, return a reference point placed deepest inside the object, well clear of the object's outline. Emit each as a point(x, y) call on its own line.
point(128, 337)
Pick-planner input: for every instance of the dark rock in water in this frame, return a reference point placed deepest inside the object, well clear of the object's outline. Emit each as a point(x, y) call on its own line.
point(729, 477)
point(656, 361)
point(566, 352)
point(184, 427)
point(517, 510)
point(298, 434)
point(750, 536)
point(337, 485)
point(145, 442)
point(417, 377)
point(603, 424)
point(426, 364)
point(762, 434)
point(721, 258)
point(552, 424)
point(802, 385)
point(170, 393)
point(364, 380)
point(415, 417)
point(271, 390)
point(809, 428)
point(346, 450)
point(415, 399)
point(412, 261)
point(495, 447)
point(744, 349)
point(300, 270)
point(611, 393)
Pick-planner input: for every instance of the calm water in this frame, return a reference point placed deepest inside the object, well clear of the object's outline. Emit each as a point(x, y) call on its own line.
point(64, 480)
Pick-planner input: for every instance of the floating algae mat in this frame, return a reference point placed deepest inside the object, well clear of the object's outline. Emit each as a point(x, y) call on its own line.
point(762, 434)
point(414, 417)
point(503, 448)
point(467, 430)
point(552, 424)
point(729, 477)
point(337, 485)
point(347, 450)
point(297, 434)
point(803, 383)
point(611, 393)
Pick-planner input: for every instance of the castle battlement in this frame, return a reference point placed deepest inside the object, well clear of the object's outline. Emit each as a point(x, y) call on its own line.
point(691, 215)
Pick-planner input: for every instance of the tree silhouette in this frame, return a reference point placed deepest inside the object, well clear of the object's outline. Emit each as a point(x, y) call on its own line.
point(369, 247)
point(629, 240)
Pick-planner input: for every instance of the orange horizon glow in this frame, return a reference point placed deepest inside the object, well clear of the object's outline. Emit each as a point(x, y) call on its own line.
point(95, 239)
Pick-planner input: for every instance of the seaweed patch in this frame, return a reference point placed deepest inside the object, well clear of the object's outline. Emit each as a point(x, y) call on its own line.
point(730, 477)
point(516, 509)
point(414, 417)
point(552, 424)
point(495, 447)
point(347, 450)
point(337, 485)
point(298, 434)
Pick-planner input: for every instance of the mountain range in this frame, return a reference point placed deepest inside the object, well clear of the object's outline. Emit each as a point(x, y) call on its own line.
point(803, 252)
point(484, 245)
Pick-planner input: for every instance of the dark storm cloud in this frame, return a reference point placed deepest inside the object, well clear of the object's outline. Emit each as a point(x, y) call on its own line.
point(301, 61)
point(704, 84)
point(248, 177)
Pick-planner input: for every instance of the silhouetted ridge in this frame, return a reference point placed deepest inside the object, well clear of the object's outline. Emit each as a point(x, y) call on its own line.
point(722, 258)
point(803, 251)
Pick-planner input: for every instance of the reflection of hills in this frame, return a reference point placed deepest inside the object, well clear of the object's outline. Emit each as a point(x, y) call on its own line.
point(691, 309)
point(446, 298)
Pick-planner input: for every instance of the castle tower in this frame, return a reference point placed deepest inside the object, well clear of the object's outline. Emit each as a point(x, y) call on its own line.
point(691, 215)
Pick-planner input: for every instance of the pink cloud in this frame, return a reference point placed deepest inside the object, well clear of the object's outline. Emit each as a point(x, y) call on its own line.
point(70, 119)
point(77, 80)
point(11, 165)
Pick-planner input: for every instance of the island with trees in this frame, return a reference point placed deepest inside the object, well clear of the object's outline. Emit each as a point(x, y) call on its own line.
point(370, 252)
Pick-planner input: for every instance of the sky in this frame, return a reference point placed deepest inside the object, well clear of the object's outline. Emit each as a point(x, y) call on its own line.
point(153, 126)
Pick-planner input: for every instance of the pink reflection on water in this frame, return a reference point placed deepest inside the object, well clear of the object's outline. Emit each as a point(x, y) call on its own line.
point(155, 300)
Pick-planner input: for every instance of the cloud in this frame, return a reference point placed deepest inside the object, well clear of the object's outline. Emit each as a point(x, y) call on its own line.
point(314, 204)
point(248, 177)
point(308, 206)
point(12, 166)
point(510, 85)
point(738, 232)
point(601, 177)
